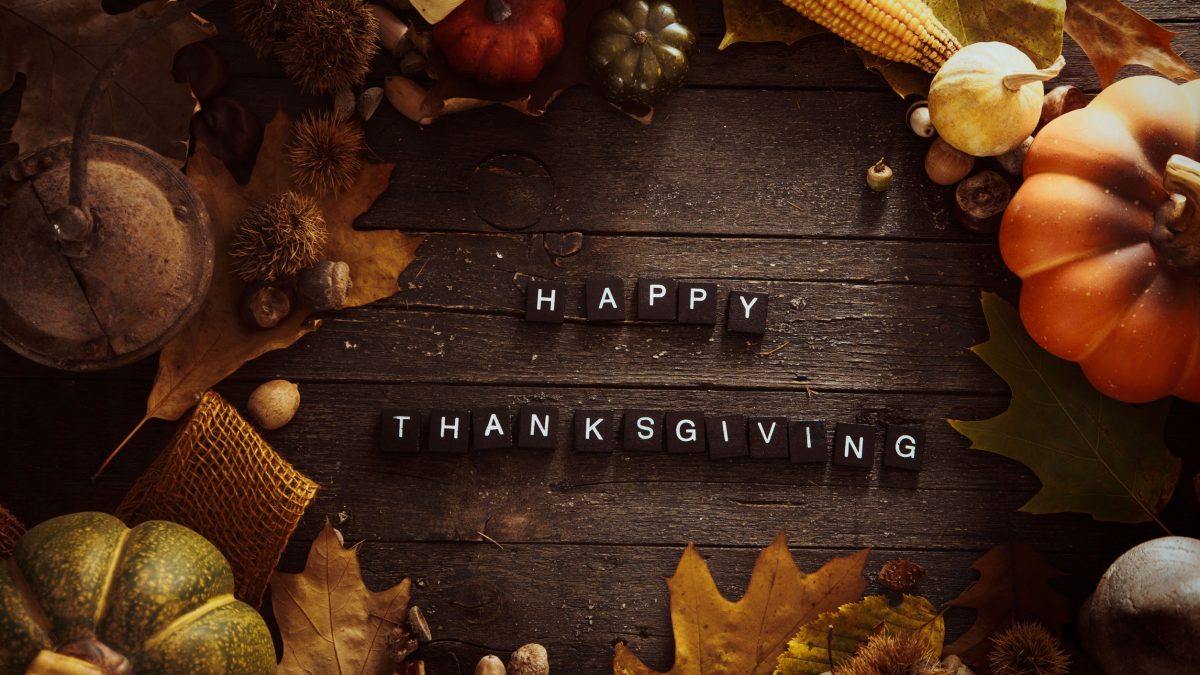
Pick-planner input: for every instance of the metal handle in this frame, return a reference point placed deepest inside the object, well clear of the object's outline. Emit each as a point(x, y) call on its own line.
point(73, 222)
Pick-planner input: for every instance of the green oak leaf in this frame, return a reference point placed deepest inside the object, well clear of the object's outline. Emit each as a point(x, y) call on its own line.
point(764, 21)
point(1093, 454)
point(810, 653)
point(1033, 26)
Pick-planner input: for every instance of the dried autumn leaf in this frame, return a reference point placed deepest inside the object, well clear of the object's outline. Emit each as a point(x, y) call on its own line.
point(1093, 454)
point(1033, 26)
point(215, 342)
point(764, 21)
point(852, 624)
point(434, 11)
point(60, 44)
point(716, 636)
point(1013, 585)
point(904, 79)
point(1113, 35)
point(329, 620)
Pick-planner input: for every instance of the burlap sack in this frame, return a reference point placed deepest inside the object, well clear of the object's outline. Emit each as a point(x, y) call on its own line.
point(11, 530)
point(220, 478)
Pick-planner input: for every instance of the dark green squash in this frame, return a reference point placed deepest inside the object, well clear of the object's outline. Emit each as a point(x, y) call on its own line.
point(158, 596)
point(639, 50)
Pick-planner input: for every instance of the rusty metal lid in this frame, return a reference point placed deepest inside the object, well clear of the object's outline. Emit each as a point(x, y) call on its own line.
point(119, 296)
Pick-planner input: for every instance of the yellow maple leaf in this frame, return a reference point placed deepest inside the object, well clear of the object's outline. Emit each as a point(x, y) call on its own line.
point(330, 622)
point(715, 636)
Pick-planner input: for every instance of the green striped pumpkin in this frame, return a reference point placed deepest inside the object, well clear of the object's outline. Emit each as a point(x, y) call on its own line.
point(159, 595)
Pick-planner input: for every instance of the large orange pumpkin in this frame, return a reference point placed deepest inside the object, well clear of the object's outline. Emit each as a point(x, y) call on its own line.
point(1105, 233)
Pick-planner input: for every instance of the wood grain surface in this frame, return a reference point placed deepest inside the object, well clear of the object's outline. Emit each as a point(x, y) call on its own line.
point(751, 177)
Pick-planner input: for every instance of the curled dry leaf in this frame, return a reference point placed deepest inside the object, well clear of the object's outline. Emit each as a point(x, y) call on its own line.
point(714, 635)
point(764, 21)
point(59, 45)
point(215, 342)
point(1113, 35)
point(835, 636)
point(1013, 585)
point(329, 620)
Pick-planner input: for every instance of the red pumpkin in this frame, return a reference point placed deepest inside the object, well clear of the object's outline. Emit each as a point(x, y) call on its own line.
point(502, 42)
point(1105, 233)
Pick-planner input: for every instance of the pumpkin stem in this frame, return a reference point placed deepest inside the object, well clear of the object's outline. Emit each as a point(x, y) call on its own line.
point(1176, 232)
point(498, 11)
point(81, 657)
point(1014, 81)
point(640, 37)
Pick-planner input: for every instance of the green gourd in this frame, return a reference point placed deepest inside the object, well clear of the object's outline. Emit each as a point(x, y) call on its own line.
point(157, 598)
point(639, 50)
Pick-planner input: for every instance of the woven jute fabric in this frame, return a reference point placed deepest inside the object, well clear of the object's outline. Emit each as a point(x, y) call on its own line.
point(11, 530)
point(220, 478)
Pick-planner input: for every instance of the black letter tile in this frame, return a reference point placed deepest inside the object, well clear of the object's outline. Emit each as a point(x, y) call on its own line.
point(643, 431)
point(544, 301)
point(854, 445)
point(449, 431)
point(538, 427)
point(594, 431)
point(768, 437)
point(698, 303)
point(684, 431)
point(399, 430)
point(747, 312)
point(605, 298)
point(656, 299)
point(905, 448)
point(726, 436)
point(491, 428)
point(806, 440)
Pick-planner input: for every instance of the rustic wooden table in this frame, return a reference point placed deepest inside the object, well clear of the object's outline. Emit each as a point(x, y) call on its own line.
point(751, 177)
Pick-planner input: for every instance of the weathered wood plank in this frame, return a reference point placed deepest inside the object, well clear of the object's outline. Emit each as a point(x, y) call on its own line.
point(535, 496)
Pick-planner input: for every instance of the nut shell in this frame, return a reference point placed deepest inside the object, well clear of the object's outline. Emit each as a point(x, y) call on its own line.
point(945, 164)
point(274, 403)
point(530, 659)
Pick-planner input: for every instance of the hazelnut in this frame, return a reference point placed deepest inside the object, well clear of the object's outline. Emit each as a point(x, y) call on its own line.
point(1013, 161)
point(1061, 100)
point(945, 164)
point(274, 403)
point(490, 665)
point(530, 659)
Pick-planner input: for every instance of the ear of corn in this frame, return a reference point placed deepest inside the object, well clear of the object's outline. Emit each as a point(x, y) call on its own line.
point(897, 30)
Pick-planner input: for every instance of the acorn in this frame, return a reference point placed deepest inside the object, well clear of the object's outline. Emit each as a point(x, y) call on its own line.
point(326, 152)
point(325, 285)
point(328, 45)
point(277, 238)
point(879, 176)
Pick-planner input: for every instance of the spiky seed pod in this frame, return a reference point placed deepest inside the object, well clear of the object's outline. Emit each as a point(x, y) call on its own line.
point(1028, 648)
point(892, 654)
point(328, 45)
point(261, 22)
point(326, 154)
point(277, 238)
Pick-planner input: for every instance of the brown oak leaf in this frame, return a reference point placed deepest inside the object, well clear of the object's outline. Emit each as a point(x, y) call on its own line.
point(330, 622)
point(1113, 35)
point(60, 44)
point(715, 635)
point(1013, 585)
point(215, 343)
